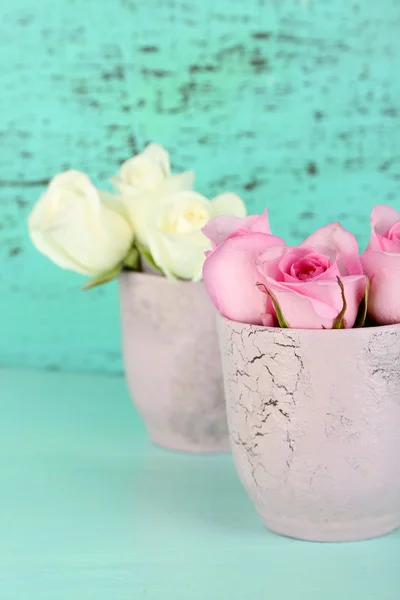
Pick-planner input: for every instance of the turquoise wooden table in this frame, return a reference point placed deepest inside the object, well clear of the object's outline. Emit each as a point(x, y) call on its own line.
point(89, 510)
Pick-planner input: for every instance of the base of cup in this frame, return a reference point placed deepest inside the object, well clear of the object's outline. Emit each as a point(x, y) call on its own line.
point(333, 532)
point(179, 444)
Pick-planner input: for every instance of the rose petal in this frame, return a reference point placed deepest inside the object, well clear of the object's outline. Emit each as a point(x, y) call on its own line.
point(268, 262)
point(230, 277)
point(126, 190)
point(224, 226)
point(383, 271)
point(302, 312)
point(113, 202)
point(374, 261)
point(261, 223)
point(176, 183)
point(339, 244)
point(228, 204)
point(75, 230)
point(159, 155)
point(267, 320)
point(332, 239)
point(315, 304)
point(383, 217)
point(392, 246)
point(301, 258)
point(219, 228)
point(178, 256)
point(75, 180)
point(393, 233)
point(49, 247)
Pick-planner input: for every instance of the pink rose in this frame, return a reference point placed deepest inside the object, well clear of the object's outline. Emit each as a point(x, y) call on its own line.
point(304, 279)
point(381, 262)
point(230, 272)
point(225, 227)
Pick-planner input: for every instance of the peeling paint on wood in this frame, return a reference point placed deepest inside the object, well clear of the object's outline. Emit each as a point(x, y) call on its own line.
point(290, 103)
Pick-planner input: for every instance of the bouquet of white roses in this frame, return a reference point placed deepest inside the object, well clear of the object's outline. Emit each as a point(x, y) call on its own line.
point(153, 222)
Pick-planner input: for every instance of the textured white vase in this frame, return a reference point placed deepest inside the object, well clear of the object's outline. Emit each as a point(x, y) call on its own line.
point(314, 421)
point(172, 362)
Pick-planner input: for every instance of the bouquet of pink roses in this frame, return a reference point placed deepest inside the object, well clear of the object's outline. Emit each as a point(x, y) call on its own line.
point(312, 393)
point(253, 277)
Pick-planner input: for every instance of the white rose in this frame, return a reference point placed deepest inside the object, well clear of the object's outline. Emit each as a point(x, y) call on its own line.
point(145, 180)
point(78, 227)
point(176, 242)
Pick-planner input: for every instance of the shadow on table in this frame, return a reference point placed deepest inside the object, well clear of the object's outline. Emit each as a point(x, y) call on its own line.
point(204, 490)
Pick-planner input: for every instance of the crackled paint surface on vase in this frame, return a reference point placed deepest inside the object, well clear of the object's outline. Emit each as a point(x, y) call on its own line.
point(289, 103)
point(172, 362)
point(314, 419)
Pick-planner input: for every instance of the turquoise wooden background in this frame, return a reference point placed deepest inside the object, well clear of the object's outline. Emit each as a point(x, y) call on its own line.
point(291, 103)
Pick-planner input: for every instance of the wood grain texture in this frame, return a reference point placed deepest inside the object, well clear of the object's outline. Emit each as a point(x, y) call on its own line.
point(290, 103)
point(90, 510)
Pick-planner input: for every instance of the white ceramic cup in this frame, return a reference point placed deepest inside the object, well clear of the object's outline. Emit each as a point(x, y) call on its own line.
point(314, 420)
point(172, 362)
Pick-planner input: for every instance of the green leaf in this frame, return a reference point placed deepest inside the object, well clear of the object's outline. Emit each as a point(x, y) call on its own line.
point(278, 311)
point(146, 254)
point(338, 323)
point(132, 260)
point(103, 277)
point(363, 308)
